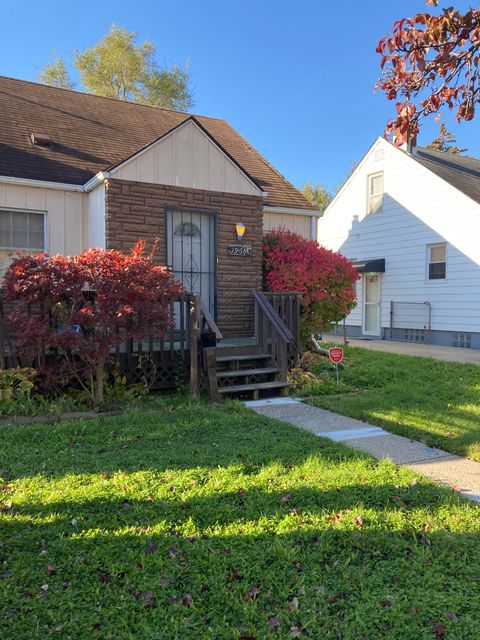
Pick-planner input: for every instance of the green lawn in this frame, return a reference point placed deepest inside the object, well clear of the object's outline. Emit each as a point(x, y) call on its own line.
point(211, 523)
point(429, 400)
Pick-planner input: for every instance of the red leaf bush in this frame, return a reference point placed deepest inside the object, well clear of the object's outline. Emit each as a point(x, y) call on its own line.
point(325, 279)
point(86, 306)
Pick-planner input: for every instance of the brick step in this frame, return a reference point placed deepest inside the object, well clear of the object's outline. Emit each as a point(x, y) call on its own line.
point(234, 373)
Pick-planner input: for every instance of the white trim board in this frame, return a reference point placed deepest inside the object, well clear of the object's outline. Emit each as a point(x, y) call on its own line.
point(44, 184)
point(314, 213)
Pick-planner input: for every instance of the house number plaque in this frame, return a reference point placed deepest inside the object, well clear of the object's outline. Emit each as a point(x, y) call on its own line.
point(240, 250)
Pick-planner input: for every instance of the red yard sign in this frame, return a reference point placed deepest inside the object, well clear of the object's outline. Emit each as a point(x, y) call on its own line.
point(335, 354)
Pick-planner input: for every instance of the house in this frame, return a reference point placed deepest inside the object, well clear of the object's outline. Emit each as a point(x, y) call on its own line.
point(409, 219)
point(79, 171)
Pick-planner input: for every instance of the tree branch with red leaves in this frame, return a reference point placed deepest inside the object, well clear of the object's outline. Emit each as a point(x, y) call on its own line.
point(431, 63)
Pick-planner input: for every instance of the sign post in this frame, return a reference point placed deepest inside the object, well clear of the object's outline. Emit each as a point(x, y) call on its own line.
point(336, 356)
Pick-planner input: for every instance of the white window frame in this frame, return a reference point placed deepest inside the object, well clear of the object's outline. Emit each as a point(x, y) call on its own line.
point(370, 177)
point(429, 262)
point(45, 230)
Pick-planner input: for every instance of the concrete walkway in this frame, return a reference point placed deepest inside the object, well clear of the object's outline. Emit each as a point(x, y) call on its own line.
point(440, 466)
point(450, 354)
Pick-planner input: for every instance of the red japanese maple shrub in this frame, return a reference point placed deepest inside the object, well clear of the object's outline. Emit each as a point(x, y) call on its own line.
point(325, 278)
point(86, 306)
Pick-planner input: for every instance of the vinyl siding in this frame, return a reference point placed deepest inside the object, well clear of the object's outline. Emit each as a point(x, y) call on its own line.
point(418, 209)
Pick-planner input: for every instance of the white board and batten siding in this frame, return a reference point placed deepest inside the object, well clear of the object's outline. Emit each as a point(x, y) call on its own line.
point(63, 211)
point(74, 220)
point(419, 209)
point(95, 218)
point(297, 223)
point(187, 158)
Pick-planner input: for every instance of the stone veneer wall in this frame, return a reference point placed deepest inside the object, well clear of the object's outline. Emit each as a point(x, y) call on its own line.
point(136, 211)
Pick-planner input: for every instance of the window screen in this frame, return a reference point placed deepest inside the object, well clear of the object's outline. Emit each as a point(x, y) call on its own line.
point(437, 262)
point(22, 230)
point(375, 192)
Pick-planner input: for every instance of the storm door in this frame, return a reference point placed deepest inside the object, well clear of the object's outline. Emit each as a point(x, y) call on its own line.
point(191, 252)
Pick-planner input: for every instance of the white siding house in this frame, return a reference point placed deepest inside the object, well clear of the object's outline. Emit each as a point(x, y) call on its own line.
point(411, 223)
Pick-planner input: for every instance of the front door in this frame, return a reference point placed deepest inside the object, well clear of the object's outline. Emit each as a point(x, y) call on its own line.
point(191, 253)
point(371, 304)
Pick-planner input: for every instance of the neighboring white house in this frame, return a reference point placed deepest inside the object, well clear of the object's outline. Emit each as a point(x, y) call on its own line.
point(410, 222)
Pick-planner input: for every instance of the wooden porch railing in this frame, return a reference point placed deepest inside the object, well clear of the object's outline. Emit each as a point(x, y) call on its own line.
point(200, 318)
point(164, 357)
point(287, 305)
point(271, 332)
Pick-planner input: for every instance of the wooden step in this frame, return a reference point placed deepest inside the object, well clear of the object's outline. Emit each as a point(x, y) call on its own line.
point(244, 357)
point(259, 386)
point(246, 372)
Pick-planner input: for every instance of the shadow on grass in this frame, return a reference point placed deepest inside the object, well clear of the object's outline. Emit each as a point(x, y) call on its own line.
point(207, 566)
point(284, 556)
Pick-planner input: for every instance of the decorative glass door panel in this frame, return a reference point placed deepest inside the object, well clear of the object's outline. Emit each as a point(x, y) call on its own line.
point(191, 253)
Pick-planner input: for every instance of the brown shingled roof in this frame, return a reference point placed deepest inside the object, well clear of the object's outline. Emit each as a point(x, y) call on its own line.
point(89, 134)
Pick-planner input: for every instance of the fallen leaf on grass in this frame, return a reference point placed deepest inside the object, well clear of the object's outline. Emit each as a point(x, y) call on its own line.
point(359, 521)
point(292, 604)
point(274, 622)
point(151, 547)
point(439, 629)
point(147, 597)
point(253, 593)
point(103, 576)
point(187, 600)
point(50, 570)
point(286, 498)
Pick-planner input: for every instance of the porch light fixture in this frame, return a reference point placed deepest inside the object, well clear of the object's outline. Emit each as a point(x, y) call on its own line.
point(240, 229)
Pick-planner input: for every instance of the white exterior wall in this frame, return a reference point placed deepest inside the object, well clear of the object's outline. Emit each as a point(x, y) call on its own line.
point(186, 158)
point(64, 215)
point(419, 209)
point(95, 218)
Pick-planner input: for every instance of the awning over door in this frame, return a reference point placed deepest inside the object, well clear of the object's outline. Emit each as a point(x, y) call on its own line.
point(370, 266)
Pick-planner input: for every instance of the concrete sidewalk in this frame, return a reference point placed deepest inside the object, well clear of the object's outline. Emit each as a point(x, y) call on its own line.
point(440, 466)
point(450, 354)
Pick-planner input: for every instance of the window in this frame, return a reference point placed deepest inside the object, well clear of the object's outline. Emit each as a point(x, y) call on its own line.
point(462, 340)
point(437, 261)
point(378, 155)
point(375, 193)
point(22, 230)
point(187, 229)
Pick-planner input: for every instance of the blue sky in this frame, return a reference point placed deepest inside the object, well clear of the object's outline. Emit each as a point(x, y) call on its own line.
point(295, 78)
